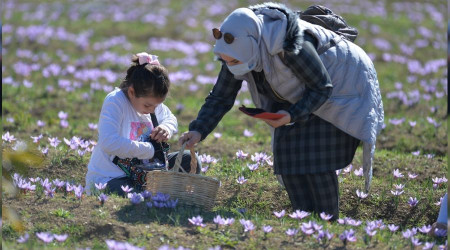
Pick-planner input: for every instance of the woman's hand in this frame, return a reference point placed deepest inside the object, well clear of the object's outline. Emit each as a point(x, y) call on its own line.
point(191, 138)
point(160, 134)
point(280, 122)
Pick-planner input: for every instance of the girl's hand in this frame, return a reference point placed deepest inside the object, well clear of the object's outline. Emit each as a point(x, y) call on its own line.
point(191, 138)
point(160, 134)
point(280, 122)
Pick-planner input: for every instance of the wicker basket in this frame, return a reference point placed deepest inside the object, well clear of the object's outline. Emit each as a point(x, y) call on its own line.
point(189, 188)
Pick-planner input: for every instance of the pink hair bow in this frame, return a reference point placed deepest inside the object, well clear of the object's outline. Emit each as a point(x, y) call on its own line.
point(144, 57)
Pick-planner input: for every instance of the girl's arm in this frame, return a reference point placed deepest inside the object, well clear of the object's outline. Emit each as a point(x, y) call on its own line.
point(109, 135)
point(167, 120)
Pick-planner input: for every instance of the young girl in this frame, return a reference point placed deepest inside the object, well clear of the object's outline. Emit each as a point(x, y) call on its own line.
point(126, 126)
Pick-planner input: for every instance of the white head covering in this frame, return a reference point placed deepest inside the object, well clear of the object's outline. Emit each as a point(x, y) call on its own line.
point(246, 28)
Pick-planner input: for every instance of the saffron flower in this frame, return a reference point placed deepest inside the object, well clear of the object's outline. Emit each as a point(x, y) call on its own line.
point(40, 123)
point(393, 227)
point(247, 224)
point(54, 141)
point(267, 229)
point(197, 221)
point(361, 194)
point(248, 133)
point(299, 214)
point(36, 138)
point(62, 115)
point(415, 241)
point(325, 216)
point(24, 238)
point(78, 190)
point(399, 186)
point(171, 203)
point(323, 234)
point(412, 201)
point(219, 220)
point(45, 237)
point(348, 235)
point(135, 198)
point(126, 189)
point(147, 194)
point(416, 153)
point(217, 135)
point(102, 198)
point(279, 214)
point(100, 186)
point(8, 137)
point(291, 231)
point(425, 229)
point(428, 245)
point(397, 174)
point(60, 238)
point(358, 172)
point(241, 155)
point(396, 192)
point(307, 228)
point(408, 233)
point(412, 175)
point(252, 167)
point(241, 180)
point(92, 126)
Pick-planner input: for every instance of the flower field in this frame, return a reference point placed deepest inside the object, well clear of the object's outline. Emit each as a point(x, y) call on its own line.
point(60, 58)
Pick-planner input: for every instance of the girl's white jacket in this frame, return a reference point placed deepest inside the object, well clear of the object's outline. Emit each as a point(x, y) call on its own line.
point(117, 136)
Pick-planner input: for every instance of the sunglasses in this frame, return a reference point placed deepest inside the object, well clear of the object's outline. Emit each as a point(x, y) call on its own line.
point(227, 37)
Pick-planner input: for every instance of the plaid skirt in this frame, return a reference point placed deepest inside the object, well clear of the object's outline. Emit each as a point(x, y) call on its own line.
point(313, 147)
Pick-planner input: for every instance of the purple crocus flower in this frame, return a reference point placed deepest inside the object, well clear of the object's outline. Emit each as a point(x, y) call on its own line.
point(241, 180)
point(307, 228)
point(49, 192)
point(397, 174)
point(219, 220)
point(197, 221)
point(415, 241)
point(59, 184)
point(396, 192)
point(325, 216)
point(393, 227)
point(64, 123)
point(280, 214)
point(247, 224)
point(149, 204)
point(425, 229)
point(8, 137)
point(117, 245)
point(322, 234)
point(353, 222)
point(62, 115)
point(412, 123)
point(358, 172)
point(291, 231)
point(147, 194)
point(409, 233)
point(92, 126)
point(217, 135)
point(54, 141)
point(40, 123)
point(102, 198)
point(203, 169)
point(399, 186)
point(126, 189)
point(78, 191)
point(45, 237)
point(241, 155)
point(24, 238)
point(361, 194)
point(36, 138)
point(428, 245)
point(412, 201)
point(61, 238)
point(248, 133)
point(412, 175)
point(100, 186)
point(267, 229)
point(299, 214)
point(160, 197)
point(348, 235)
point(253, 167)
point(135, 198)
point(45, 150)
point(171, 203)
point(416, 153)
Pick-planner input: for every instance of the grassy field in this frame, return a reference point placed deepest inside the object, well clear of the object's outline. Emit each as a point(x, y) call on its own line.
point(61, 58)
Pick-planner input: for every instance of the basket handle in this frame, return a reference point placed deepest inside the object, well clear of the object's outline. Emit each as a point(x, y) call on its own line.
point(177, 165)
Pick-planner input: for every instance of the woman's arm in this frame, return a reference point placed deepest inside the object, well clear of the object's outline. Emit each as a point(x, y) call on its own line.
point(307, 66)
point(219, 101)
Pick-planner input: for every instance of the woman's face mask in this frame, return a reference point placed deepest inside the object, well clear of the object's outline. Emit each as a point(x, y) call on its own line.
point(239, 69)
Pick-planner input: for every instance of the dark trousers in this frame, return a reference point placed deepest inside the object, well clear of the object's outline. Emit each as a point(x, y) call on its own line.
point(114, 185)
point(315, 193)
